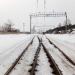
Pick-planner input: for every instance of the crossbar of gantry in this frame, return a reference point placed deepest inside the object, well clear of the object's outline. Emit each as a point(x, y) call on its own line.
point(54, 14)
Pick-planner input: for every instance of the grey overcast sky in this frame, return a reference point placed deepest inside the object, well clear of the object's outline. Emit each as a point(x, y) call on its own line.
point(18, 10)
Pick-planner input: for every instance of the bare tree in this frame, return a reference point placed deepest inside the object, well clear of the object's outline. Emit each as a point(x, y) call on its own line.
point(8, 26)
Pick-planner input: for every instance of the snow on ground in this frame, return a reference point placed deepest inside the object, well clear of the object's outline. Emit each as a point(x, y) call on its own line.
point(66, 67)
point(27, 60)
point(43, 67)
point(66, 43)
point(9, 41)
point(68, 38)
point(11, 46)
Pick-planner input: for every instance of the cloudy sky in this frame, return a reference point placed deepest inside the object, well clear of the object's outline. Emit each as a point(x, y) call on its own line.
point(18, 10)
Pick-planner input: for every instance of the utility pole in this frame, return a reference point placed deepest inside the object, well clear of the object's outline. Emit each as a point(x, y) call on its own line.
point(37, 4)
point(23, 27)
point(66, 23)
point(30, 23)
point(44, 10)
point(44, 5)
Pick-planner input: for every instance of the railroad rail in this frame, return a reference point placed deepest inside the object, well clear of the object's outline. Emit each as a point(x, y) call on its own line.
point(16, 61)
point(61, 51)
point(34, 64)
point(32, 71)
point(53, 65)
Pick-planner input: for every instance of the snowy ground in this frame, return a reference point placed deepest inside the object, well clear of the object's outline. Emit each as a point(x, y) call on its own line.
point(27, 60)
point(66, 43)
point(65, 66)
point(11, 46)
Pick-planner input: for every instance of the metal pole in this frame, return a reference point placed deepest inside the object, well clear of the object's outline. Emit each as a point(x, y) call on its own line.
point(44, 10)
point(66, 17)
point(44, 5)
point(37, 4)
point(30, 23)
point(23, 27)
point(66, 22)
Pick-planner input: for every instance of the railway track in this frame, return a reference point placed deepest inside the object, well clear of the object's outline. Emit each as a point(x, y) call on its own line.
point(34, 64)
point(34, 60)
point(16, 61)
point(72, 62)
point(56, 70)
point(53, 65)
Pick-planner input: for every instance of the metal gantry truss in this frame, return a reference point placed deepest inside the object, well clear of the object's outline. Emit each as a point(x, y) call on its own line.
point(44, 14)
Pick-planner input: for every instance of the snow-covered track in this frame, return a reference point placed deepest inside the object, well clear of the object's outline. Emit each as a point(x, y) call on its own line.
point(53, 65)
point(39, 55)
point(19, 57)
point(34, 64)
point(72, 62)
point(66, 67)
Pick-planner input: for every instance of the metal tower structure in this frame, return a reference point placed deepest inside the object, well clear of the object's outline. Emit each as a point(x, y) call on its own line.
point(53, 14)
point(44, 14)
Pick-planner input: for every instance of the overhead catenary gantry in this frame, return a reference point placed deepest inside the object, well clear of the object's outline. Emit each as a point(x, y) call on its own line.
point(44, 14)
point(52, 14)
